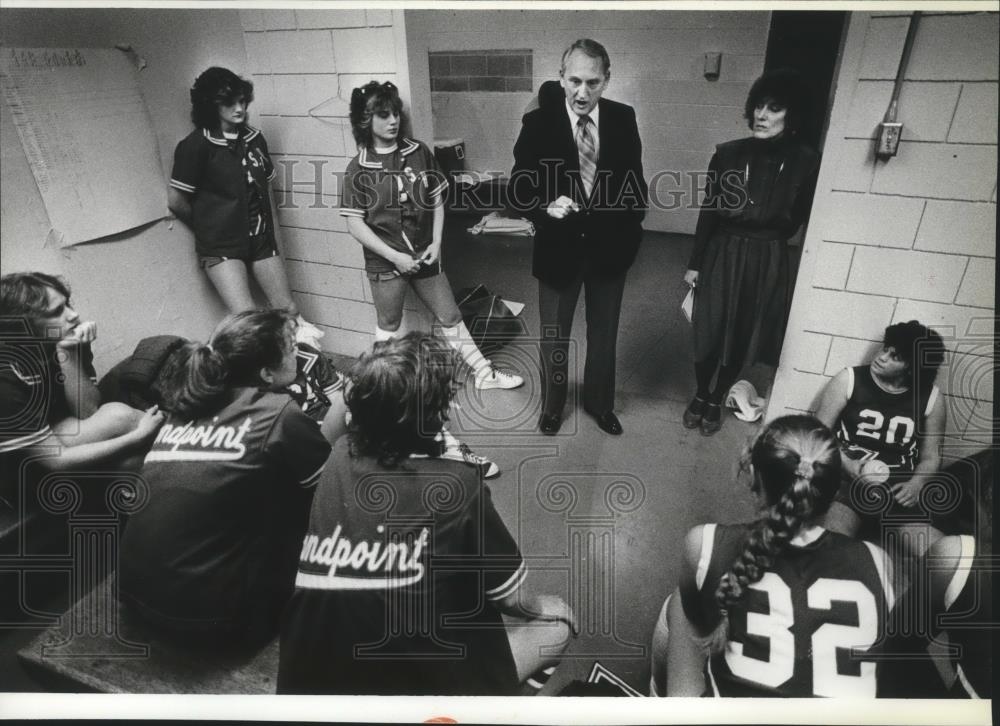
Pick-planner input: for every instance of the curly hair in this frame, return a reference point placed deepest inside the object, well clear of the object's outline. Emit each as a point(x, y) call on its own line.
point(399, 397)
point(25, 294)
point(216, 86)
point(787, 88)
point(921, 348)
point(794, 466)
point(196, 378)
point(368, 100)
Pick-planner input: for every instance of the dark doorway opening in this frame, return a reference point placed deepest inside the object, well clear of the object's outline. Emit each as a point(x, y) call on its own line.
point(808, 41)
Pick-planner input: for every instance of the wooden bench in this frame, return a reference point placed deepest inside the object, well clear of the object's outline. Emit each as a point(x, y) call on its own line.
point(99, 648)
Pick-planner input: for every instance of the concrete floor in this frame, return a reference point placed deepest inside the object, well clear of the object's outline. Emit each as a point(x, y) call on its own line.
point(600, 519)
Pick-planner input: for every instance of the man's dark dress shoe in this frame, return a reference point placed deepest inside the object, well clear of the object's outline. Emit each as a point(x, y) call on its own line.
point(549, 423)
point(609, 423)
point(711, 421)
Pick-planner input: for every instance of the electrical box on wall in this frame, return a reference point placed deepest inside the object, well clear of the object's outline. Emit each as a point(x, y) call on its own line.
point(888, 139)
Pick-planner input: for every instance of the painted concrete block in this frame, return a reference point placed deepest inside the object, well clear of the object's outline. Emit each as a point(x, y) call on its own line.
point(798, 390)
point(351, 80)
point(320, 94)
point(357, 315)
point(968, 375)
point(310, 211)
point(258, 53)
point(251, 19)
point(845, 313)
point(833, 263)
point(326, 280)
point(871, 219)
point(307, 136)
point(330, 18)
point(809, 352)
point(951, 321)
point(265, 102)
point(958, 227)
point(366, 50)
point(319, 310)
point(346, 342)
point(345, 251)
point(978, 286)
point(847, 352)
point(956, 47)
point(944, 171)
point(377, 18)
point(310, 175)
point(981, 426)
point(278, 19)
point(926, 109)
point(306, 245)
point(976, 116)
point(884, 41)
point(906, 274)
point(301, 51)
point(854, 164)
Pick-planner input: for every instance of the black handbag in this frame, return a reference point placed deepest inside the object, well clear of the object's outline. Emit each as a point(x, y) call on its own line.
point(489, 320)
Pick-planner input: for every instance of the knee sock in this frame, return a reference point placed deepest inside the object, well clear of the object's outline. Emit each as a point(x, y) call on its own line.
point(459, 338)
point(381, 334)
point(703, 372)
point(724, 381)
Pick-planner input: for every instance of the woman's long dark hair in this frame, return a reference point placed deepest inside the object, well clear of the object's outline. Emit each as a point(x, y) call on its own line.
point(369, 100)
point(195, 380)
point(399, 397)
point(216, 86)
point(796, 472)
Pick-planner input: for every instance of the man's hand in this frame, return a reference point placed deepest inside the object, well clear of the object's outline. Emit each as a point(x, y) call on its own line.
point(562, 207)
point(405, 264)
point(84, 332)
point(691, 278)
point(907, 492)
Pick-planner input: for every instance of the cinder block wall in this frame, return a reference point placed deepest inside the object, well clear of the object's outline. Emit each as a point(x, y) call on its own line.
point(657, 65)
point(911, 238)
point(304, 65)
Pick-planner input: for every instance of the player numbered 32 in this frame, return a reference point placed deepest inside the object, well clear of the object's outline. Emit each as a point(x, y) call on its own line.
point(773, 633)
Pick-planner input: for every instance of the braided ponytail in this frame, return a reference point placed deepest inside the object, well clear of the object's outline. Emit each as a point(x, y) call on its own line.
point(795, 468)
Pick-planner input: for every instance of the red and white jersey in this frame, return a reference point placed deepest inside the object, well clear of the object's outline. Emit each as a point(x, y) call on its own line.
point(811, 626)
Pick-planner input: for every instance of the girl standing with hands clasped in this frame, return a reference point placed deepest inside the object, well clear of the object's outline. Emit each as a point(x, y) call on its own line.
point(394, 204)
point(780, 606)
point(211, 557)
point(220, 188)
point(758, 194)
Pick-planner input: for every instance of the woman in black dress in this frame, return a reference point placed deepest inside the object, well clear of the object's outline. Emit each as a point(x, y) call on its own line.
point(758, 194)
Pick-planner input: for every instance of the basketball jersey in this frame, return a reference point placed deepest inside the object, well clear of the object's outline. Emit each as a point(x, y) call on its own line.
point(966, 613)
point(809, 627)
point(876, 424)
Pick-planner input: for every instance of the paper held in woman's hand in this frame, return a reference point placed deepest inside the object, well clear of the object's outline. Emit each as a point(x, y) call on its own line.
point(687, 306)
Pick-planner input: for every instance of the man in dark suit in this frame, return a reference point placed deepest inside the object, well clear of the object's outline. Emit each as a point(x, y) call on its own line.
point(578, 178)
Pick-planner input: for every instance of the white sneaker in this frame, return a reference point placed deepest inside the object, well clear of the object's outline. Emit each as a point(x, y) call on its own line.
point(492, 377)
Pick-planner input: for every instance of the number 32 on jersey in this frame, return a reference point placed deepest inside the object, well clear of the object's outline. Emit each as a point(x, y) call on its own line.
point(826, 640)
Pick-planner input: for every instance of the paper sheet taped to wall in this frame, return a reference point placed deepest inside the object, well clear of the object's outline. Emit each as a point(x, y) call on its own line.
point(87, 136)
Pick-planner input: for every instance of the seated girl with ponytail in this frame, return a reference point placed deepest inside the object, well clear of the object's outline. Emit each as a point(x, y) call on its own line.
point(780, 606)
point(210, 558)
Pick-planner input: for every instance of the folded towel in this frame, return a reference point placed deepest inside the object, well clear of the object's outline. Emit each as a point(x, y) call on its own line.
point(496, 224)
point(746, 404)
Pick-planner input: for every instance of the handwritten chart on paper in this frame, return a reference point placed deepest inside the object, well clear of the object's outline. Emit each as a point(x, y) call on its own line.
point(87, 136)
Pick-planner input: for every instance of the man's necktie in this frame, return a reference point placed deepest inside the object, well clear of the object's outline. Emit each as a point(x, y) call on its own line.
point(588, 152)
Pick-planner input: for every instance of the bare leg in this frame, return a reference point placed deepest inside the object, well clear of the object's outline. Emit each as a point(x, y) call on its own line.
point(388, 296)
point(108, 422)
point(270, 273)
point(231, 282)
